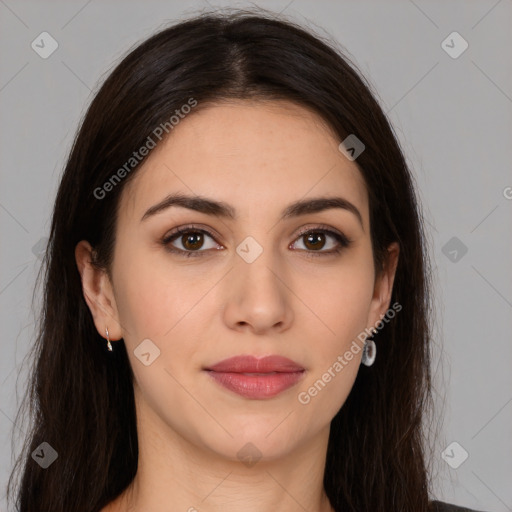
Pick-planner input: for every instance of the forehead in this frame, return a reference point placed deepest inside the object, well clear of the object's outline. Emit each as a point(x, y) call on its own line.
point(257, 156)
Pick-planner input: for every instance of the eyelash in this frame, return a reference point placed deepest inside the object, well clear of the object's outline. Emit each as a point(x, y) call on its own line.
point(343, 241)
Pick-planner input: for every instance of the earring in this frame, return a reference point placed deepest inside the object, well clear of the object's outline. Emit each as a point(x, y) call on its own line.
point(369, 350)
point(109, 345)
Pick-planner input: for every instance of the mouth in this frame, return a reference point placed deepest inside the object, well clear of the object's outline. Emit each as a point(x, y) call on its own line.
point(254, 378)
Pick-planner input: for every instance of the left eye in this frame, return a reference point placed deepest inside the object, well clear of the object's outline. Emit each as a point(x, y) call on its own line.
point(192, 240)
point(317, 237)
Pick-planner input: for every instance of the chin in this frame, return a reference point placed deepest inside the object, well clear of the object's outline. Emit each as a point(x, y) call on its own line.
point(253, 445)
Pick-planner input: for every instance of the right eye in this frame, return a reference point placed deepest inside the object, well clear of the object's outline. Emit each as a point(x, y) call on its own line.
point(190, 238)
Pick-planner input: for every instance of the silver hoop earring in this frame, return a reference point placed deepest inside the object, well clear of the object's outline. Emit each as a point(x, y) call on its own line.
point(109, 345)
point(369, 351)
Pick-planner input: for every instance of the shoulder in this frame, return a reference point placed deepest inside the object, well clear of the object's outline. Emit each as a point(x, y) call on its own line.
point(439, 506)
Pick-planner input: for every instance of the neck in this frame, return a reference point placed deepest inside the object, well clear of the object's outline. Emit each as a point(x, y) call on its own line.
point(176, 474)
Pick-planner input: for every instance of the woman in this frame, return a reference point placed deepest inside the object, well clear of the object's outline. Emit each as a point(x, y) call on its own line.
point(237, 295)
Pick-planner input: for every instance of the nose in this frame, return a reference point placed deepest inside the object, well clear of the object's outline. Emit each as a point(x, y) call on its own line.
point(258, 296)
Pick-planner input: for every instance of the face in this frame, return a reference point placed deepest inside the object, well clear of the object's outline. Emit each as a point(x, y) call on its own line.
point(249, 282)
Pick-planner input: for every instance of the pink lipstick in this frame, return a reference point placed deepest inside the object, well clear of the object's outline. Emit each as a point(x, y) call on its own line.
point(256, 378)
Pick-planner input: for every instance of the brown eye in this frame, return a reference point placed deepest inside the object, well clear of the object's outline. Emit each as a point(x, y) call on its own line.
point(193, 240)
point(314, 240)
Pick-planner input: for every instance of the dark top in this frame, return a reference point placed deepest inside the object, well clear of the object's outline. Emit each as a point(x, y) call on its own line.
point(439, 506)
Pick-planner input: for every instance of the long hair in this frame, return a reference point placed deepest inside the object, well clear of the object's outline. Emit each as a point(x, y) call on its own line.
point(81, 396)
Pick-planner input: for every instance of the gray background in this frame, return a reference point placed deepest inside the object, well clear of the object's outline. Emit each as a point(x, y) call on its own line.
point(452, 116)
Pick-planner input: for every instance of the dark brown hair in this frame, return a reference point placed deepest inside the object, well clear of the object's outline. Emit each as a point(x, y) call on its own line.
point(81, 396)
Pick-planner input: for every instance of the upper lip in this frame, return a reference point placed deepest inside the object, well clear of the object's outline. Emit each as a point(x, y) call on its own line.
point(251, 364)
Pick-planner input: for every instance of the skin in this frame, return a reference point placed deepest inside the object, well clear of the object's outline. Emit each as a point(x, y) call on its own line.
point(258, 157)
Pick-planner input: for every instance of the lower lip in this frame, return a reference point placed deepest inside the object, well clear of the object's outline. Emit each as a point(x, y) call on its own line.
point(257, 386)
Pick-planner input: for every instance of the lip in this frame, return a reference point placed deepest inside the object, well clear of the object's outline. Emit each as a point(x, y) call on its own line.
point(256, 378)
point(251, 364)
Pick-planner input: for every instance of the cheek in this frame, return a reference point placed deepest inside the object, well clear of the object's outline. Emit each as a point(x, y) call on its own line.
point(340, 301)
point(152, 296)
point(156, 301)
point(339, 298)
point(335, 362)
point(165, 304)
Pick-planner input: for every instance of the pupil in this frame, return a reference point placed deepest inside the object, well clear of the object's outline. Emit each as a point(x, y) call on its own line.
point(190, 244)
point(312, 236)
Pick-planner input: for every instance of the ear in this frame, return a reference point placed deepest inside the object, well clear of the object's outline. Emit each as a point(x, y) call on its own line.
point(384, 286)
point(98, 293)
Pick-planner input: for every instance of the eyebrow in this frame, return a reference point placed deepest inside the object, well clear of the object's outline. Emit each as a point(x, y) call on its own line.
point(224, 210)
